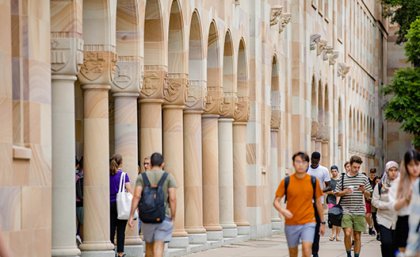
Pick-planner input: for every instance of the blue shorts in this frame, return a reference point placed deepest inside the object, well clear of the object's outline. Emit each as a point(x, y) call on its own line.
point(294, 233)
point(157, 231)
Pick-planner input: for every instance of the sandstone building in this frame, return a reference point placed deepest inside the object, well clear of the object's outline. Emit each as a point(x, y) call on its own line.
point(227, 90)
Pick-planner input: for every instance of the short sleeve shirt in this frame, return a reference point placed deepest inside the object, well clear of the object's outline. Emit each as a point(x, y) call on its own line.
point(353, 203)
point(332, 199)
point(114, 184)
point(322, 174)
point(299, 199)
point(154, 177)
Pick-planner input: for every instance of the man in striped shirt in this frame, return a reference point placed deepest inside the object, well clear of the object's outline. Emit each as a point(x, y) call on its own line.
point(351, 189)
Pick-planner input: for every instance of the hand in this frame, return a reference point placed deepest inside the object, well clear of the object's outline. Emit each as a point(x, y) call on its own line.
point(130, 221)
point(348, 191)
point(362, 188)
point(287, 214)
point(322, 230)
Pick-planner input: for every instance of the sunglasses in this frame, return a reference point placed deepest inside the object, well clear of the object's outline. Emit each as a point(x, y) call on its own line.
point(146, 163)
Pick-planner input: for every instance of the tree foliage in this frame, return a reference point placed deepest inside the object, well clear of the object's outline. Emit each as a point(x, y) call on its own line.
point(404, 106)
point(403, 12)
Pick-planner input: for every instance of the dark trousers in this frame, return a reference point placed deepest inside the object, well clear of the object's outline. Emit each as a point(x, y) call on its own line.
point(119, 225)
point(375, 222)
point(315, 244)
point(388, 246)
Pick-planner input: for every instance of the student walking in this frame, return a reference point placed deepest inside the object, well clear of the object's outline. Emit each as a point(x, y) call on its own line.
point(155, 188)
point(115, 173)
point(385, 214)
point(354, 187)
point(400, 195)
point(413, 242)
point(368, 203)
point(323, 175)
point(332, 201)
point(300, 190)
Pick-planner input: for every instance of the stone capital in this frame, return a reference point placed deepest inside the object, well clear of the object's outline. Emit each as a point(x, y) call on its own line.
point(176, 89)
point(97, 67)
point(275, 15)
point(126, 75)
point(196, 95)
point(284, 20)
point(228, 108)
point(241, 113)
point(213, 100)
point(66, 54)
point(314, 129)
point(342, 70)
point(155, 78)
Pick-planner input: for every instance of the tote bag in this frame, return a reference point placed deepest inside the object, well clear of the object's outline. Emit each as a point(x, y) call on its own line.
point(124, 199)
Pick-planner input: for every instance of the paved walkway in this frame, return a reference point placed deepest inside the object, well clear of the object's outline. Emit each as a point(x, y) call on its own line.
point(276, 246)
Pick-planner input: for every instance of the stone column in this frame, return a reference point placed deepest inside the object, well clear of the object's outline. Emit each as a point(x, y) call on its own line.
point(226, 166)
point(193, 175)
point(94, 77)
point(173, 151)
point(210, 134)
point(325, 158)
point(274, 172)
point(125, 88)
point(150, 121)
point(241, 116)
point(64, 143)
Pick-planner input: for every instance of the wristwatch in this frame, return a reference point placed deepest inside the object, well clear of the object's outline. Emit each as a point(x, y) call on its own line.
point(323, 222)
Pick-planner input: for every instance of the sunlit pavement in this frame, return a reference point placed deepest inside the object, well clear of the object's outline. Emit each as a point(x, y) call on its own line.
point(276, 246)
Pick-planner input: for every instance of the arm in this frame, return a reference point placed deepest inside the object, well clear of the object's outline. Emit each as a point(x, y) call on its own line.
point(346, 191)
point(134, 204)
point(320, 210)
point(3, 248)
point(128, 187)
point(172, 201)
point(283, 211)
point(378, 203)
point(397, 204)
point(327, 187)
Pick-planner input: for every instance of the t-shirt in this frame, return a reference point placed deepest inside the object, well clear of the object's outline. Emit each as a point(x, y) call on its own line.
point(154, 177)
point(322, 174)
point(353, 203)
point(299, 199)
point(114, 184)
point(332, 198)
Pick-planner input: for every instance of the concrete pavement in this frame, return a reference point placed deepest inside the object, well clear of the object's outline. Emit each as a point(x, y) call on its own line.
point(276, 246)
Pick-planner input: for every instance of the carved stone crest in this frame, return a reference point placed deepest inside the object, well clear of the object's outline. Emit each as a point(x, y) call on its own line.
point(196, 95)
point(275, 119)
point(275, 15)
point(153, 83)
point(213, 100)
point(284, 20)
point(96, 64)
point(241, 113)
point(228, 108)
point(176, 89)
point(126, 74)
point(66, 54)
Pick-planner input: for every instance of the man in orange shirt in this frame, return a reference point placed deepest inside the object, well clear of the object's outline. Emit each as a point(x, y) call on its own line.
point(300, 212)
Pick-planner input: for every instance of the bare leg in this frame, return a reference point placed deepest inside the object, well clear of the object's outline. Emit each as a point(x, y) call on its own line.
point(347, 238)
point(306, 249)
point(293, 252)
point(357, 241)
point(158, 248)
point(149, 249)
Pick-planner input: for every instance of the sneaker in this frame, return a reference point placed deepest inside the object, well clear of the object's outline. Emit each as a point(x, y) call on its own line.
point(78, 240)
point(372, 232)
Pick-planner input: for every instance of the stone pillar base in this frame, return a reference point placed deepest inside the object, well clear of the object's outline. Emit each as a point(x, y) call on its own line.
point(108, 253)
point(244, 230)
point(179, 242)
point(214, 235)
point(230, 232)
point(134, 250)
point(65, 252)
point(198, 238)
point(277, 225)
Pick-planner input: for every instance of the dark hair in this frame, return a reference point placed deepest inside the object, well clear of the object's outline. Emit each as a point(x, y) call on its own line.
point(302, 155)
point(355, 159)
point(316, 155)
point(372, 170)
point(156, 159)
point(334, 167)
point(346, 163)
point(411, 155)
point(115, 162)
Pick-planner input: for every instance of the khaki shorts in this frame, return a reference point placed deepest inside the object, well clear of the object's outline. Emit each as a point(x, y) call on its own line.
point(356, 222)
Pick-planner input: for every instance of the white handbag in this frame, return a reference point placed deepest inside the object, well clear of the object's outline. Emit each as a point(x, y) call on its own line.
point(124, 199)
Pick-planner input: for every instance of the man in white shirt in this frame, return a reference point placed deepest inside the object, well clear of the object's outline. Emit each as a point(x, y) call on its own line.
point(323, 175)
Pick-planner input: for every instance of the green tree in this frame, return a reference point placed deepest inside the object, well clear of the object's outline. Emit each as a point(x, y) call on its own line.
point(404, 106)
point(403, 12)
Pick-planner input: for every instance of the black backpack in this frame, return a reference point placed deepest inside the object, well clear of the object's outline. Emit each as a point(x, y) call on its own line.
point(287, 182)
point(152, 201)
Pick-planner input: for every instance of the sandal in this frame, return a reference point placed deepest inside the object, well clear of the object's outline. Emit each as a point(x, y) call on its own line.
point(332, 238)
point(338, 239)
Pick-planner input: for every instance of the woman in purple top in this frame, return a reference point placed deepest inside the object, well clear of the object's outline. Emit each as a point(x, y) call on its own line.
point(115, 172)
